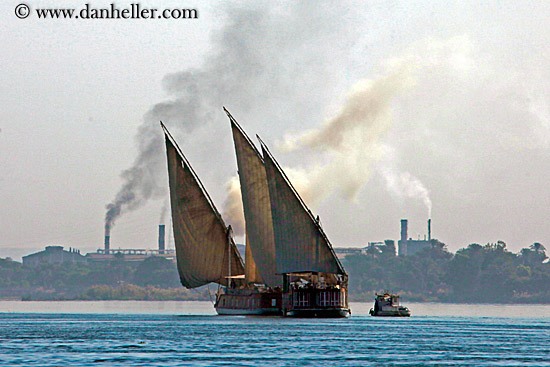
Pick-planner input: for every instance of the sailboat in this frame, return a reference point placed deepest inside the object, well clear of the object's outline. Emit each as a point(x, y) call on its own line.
point(290, 266)
point(205, 250)
point(314, 281)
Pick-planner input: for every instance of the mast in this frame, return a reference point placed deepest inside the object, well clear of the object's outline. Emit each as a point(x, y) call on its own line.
point(229, 230)
point(301, 243)
point(203, 242)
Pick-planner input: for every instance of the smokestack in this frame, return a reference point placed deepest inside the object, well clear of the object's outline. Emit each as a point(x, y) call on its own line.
point(161, 238)
point(430, 229)
point(107, 245)
point(404, 224)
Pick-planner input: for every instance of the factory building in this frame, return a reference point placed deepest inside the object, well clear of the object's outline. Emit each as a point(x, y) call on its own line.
point(408, 246)
point(109, 254)
point(57, 255)
point(54, 255)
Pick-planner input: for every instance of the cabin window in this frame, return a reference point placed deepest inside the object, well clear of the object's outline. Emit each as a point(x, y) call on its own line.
point(334, 299)
point(302, 299)
point(324, 299)
point(337, 299)
point(329, 298)
point(273, 302)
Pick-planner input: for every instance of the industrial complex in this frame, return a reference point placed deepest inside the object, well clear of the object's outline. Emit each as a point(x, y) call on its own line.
point(56, 254)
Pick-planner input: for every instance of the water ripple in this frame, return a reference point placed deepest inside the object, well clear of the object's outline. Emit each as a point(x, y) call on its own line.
point(158, 340)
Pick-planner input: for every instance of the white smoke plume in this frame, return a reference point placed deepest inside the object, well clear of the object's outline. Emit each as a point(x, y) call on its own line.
point(403, 184)
point(352, 140)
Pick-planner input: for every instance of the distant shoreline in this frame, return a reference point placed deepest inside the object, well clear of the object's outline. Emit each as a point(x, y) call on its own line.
point(156, 301)
point(201, 299)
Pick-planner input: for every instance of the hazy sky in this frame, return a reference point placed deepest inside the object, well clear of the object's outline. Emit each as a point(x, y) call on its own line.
point(376, 109)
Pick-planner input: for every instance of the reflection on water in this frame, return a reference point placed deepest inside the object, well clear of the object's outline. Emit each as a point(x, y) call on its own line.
point(110, 307)
point(206, 308)
point(184, 338)
point(464, 310)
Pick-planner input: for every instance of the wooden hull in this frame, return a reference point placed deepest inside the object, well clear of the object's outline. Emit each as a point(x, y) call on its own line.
point(249, 302)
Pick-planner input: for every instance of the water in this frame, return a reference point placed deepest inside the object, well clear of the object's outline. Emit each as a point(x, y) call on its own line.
point(188, 333)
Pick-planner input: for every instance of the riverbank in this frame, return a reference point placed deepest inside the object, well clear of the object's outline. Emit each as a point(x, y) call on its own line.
point(123, 292)
point(131, 292)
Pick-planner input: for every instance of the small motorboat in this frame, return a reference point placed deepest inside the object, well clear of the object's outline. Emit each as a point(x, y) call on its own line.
point(387, 304)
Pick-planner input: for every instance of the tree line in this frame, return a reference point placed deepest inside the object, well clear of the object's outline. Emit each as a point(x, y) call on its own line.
point(155, 278)
point(475, 274)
